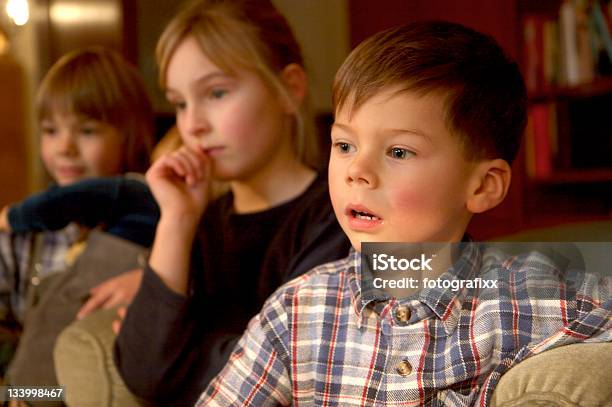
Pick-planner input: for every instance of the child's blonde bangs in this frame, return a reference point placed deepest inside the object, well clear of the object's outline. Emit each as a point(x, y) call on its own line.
point(216, 35)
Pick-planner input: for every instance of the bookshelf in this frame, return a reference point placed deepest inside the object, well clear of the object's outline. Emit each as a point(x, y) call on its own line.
point(566, 50)
point(564, 171)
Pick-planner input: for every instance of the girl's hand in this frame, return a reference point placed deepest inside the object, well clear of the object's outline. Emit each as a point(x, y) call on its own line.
point(114, 291)
point(180, 182)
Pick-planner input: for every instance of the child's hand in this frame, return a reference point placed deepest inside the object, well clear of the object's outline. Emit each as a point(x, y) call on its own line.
point(117, 323)
point(180, 183)
point(4, 223)
point(114, 291)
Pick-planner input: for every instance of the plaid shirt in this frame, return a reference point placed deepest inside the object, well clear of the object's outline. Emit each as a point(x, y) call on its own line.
point(318, 341)
point(16, 251)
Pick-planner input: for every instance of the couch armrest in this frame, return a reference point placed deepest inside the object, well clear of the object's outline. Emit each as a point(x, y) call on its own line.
point(84, 363)
point(572, 375)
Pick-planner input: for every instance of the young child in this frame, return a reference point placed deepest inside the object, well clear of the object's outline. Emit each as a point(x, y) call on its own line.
point(428, 118)
point(95, 120)
point(234, 72)
point(122, 205)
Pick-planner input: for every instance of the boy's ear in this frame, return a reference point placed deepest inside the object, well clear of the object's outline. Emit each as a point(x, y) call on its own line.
point(294, 77)
point(490, 185)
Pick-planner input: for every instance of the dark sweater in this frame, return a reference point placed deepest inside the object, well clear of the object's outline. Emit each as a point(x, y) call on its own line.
point(124, 205)
point(171, 346)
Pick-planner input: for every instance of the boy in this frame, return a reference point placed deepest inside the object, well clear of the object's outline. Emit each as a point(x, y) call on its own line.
point(429, 117)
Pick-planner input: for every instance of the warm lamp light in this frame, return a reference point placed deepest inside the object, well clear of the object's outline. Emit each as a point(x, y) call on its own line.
point(18, 11)
point(4, 44)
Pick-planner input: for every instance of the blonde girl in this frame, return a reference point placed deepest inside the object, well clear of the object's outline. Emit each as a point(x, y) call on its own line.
point(234, 72)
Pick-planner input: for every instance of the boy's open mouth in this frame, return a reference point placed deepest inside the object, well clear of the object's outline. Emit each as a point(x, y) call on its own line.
point(363, 215)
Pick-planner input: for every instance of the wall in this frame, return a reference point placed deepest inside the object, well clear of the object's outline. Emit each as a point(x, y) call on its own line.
point(497, 18)
point(322, 27)
point(152, 17)
point(21, 172)
point(13, 144)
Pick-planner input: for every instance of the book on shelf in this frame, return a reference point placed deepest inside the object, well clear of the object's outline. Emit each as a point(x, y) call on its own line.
point(541, 59)
point(550, 49)
point(541, 144)
point(532, 53)
point(602, 24)
point(567, 49)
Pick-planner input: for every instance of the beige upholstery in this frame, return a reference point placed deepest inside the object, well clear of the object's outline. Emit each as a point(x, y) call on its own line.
point(573, 375)
point(84, 363)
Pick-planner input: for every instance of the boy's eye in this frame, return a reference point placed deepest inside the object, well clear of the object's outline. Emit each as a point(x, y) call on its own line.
point(400, 153)
point(343, 147)
point(217, 93)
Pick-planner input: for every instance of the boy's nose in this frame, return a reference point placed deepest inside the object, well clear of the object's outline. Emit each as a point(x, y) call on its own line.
point(360, 172)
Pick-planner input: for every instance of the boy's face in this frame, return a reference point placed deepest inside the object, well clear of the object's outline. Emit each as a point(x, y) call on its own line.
point(397, 174)
point(74, 147)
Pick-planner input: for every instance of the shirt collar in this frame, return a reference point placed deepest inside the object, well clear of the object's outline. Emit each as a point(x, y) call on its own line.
point(354, 277)
point(360, 302)
point(446, 304)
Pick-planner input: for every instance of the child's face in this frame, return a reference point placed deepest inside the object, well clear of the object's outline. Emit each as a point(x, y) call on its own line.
point(74, 147)
point(235, 119)
point(397, 174)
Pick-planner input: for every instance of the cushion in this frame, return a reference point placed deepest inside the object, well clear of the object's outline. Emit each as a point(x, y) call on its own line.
point(572, 375)
point(84, 363)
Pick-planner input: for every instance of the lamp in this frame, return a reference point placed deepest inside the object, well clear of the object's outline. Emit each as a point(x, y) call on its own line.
point(14, 14)
point(18, 11)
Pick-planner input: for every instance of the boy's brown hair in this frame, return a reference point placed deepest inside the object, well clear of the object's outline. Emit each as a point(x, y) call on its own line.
point(485, 94)
point(100, 84)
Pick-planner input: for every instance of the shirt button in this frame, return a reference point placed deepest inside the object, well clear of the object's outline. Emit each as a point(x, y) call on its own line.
point(402, 313)
point(404, 368)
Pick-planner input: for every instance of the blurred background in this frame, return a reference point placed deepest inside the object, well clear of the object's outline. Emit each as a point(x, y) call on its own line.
point(564, 170)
